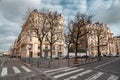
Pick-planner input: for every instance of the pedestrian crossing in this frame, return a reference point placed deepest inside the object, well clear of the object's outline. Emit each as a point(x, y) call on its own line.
point(75, 73)
point(4, 71)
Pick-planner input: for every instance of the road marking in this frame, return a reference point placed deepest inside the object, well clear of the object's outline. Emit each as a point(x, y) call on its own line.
point(95, 76)
point(67, 73)
point(62, 70)
point(26, 69)
point(113, 77)
point(2, 63)
point(105, 64)
point(4, 71)
point(70, 69)
point(16, 70)
point(55, 69)
point(79, 74)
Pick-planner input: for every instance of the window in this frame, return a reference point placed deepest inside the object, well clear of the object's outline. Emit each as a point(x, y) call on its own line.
point(38, 54)
point(60, 47)
point(46, 46)
point(38, 47)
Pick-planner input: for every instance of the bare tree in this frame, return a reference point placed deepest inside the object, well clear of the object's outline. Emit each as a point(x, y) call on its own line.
point(101, 36)
point(39, 22)
point(79, 31)
point(68, 36)
point(53, 24)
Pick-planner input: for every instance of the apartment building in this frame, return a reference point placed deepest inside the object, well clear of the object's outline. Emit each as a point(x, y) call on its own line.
point(103, 33)
point(116, 42)
point(27, 43)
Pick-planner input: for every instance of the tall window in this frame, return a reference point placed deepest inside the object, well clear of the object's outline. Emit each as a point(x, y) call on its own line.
point(60, 47)
point(38, 47)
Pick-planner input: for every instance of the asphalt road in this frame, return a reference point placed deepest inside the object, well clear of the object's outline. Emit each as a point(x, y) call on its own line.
point(102, 70)
point(13, 69)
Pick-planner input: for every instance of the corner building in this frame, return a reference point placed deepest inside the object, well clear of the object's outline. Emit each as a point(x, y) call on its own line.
point(27, 43)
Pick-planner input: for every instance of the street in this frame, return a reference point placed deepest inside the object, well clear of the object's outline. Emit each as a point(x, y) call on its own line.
point(14, 69)
point(103, 70)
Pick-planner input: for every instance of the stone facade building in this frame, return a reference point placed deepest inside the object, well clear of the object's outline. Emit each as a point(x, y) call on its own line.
point(27, 43)
point(116, 47)
point(105, 36)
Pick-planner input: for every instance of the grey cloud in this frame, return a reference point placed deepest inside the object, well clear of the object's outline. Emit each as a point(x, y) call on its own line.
point(12, 14)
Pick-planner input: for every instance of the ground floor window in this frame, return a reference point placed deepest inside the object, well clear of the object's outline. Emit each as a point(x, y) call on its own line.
point(59, 54)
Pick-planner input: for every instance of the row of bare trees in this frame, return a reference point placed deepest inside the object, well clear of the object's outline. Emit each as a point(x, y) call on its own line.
point(75, 32)
point(44, 24)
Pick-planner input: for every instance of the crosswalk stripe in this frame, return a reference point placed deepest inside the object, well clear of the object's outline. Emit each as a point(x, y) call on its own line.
point(67, 73)
point(16, 70)
point(55, 69)
point(62, 71)
point(26, 69)
point(113, 77)
point(4, 71)
point(70, 69)
point(95, 76)
point(79, 74)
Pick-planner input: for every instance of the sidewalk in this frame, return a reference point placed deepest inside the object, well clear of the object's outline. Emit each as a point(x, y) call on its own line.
point(58, 63)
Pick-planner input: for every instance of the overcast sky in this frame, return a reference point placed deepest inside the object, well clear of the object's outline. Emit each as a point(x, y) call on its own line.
point(13, 12)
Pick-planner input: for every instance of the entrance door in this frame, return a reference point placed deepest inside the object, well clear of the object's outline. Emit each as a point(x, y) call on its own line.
point(30, 54)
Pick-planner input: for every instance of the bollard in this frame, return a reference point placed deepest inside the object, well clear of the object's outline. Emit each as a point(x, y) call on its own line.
point(37, 63)
point(49, 64)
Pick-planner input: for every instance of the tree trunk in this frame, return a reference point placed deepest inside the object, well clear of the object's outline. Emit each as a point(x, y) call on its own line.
point(98, 48)
point(40, 54)
point(50, 51)
point(68, 51)
point(76, 50)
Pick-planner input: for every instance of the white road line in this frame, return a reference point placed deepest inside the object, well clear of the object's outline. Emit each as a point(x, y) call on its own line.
point(95, 76)
point(105, 64)
point(68, 69)
point(67, 73)
point(16, 70)
point(26, 69)
point(79, 74)
point(113, 77)
point(4, 71)
point(55, 69)
point(2, 63)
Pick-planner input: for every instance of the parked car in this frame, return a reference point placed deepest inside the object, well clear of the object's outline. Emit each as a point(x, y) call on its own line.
point(71, 57)
point(1, 55)
point(85, 56)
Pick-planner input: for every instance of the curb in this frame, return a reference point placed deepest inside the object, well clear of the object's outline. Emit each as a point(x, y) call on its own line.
point(87, 63)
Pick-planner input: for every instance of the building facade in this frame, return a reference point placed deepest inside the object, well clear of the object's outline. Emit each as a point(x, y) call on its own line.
point(101, 37)
point(116, 42)
point(27, 43)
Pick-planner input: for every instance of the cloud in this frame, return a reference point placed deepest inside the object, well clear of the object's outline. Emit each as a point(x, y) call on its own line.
point(14, 9)
point(13, 14)
point(106, 11)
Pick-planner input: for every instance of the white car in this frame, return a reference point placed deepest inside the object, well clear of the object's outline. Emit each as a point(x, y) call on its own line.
point(1, 55)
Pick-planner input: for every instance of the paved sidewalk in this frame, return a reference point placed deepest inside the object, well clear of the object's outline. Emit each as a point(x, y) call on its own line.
point(58, 63)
